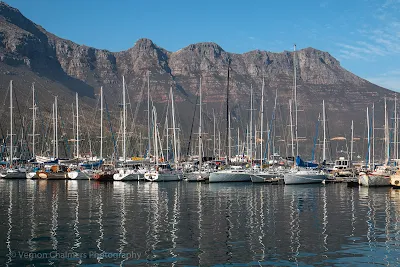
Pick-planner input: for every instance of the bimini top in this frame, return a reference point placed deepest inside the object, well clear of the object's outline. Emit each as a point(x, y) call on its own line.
point(301, 163)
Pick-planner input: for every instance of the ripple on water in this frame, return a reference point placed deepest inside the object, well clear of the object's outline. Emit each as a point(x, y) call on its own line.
point(190, 224)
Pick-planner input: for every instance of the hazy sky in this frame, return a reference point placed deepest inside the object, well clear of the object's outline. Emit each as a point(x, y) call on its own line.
point(364, 35)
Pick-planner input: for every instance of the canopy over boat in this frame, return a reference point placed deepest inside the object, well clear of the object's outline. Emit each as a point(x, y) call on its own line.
point(306, 164)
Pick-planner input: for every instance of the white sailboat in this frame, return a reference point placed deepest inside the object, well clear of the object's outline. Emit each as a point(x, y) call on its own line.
point(13, 172)
point(201, 174)
point(164, 172)
point(76, 173)
point(380, 176)
point(234, 173)
point(124, 173)
point(304, 175)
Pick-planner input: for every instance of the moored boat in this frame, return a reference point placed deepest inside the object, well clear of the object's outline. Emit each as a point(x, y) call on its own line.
point(235, 174)
point(55, 172)
point(14, 173)
point(379, 177)
point(304, 176)
point(395, 179)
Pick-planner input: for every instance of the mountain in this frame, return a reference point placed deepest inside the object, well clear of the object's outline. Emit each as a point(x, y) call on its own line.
point(28, 53)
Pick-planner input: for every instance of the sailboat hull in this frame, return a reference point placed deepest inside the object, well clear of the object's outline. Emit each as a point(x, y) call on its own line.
point(223, 177)
point(162, 177)
point(307, 178)
point(374, 180)
point(264, 177)
point(197, 176)
point(52, 176)
point(126, 177)
point(14, 175)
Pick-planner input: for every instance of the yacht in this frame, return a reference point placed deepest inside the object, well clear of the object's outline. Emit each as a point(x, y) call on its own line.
point(163, 173)
point(304, 176)
point(234, 174)
point(380, 177)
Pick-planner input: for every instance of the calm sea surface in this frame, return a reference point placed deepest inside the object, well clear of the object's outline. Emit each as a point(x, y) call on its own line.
point(68, 223)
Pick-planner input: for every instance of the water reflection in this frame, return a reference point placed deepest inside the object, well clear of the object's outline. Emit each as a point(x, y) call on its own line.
point(10, 221)
point(185, 224)
point(100, 238)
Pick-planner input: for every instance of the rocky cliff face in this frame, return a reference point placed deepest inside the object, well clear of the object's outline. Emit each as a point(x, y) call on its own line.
point(28, 53)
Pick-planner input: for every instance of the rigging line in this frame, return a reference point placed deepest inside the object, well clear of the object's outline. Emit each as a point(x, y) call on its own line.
point(65, 146)
point(20, 119)
point(191, 128)
point(2, 111)
point(111, 129)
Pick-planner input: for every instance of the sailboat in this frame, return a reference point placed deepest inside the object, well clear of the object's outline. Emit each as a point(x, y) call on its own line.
point(262, 175)
point(380, 176)
point(76, 173)
point(235, 173)
point(13, 172)
point(201, 174)
point(53, 171)
point(124, 173)
point(164, 172)
point(301, 173)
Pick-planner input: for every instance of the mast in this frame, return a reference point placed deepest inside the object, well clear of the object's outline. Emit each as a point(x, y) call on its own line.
point(229, 138)
point(54, 132)
point(295, 99)
point(273, 124)
point(101, 122)
point(214, 133)
point(227, 112)
point(352, 141)
point(369, 147)
point(291, 125)
point(396, 148)
point(238, 142)
point(324, 143)
point(251, 122)
point(148, 113)
point(77, 126)
point(167, 123)
point(173, 125)
point(123, 120)
point(33, 120)
point(155, 135)
point(387, 147)
point(11, 124)
point(73, 129)
point(200, 140)
point(219, 144)
point(373, 136)
point(262, 124)
point(56, 124)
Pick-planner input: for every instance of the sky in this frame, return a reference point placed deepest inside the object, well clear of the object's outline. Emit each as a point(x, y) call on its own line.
point(364, 35)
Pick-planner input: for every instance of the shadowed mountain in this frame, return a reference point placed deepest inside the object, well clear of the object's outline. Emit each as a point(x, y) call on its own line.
point(28, 53)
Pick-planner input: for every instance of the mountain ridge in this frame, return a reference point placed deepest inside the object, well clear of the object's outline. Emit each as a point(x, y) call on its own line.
point(63, 67)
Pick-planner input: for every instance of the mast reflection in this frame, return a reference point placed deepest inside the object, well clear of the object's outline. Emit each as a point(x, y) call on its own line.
point(9, 216)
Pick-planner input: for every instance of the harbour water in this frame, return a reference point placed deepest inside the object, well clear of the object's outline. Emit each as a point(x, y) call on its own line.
point(68, 223)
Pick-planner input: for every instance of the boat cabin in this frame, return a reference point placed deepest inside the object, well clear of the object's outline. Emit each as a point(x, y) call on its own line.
point(341, 164)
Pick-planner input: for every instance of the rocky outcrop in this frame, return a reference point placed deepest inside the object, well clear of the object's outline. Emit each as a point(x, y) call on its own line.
point(27, 47)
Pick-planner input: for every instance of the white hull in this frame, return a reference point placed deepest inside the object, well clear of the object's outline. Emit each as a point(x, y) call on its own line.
point(79, 175)
point(304, 177)
point(395, 180)
point(126, 175)
point(162, 177)
point(229, 176)
point(14, 174)
point(30, 175)
point(374, 180)
point(261, 177)
point(197, 176)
